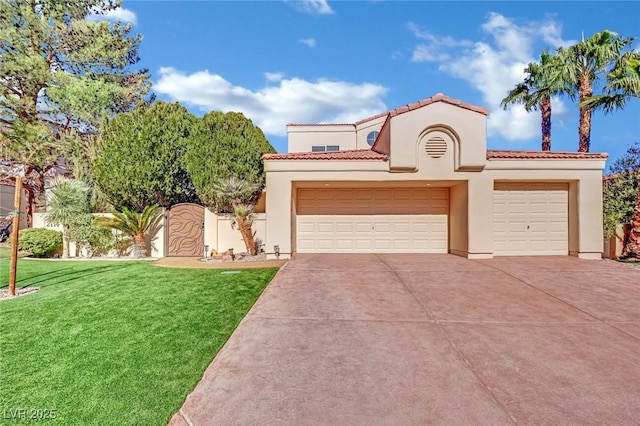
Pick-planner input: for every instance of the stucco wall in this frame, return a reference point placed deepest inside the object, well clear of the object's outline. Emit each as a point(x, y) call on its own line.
point(467, 128)
point(363, 130)
point(219, 235)
point(458, 220)
point(302, 138)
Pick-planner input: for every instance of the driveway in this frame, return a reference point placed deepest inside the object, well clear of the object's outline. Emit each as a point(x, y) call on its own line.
point(431, 339)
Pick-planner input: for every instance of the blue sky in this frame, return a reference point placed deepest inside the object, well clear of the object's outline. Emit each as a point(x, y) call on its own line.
point(315, 61)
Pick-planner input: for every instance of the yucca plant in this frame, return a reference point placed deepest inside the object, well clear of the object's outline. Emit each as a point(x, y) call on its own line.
point(65, 201)
point(243, 215)
point(234, 196)
point(134, 225)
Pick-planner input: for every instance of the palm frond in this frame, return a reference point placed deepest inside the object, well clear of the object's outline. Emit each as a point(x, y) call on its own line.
point(65, 200)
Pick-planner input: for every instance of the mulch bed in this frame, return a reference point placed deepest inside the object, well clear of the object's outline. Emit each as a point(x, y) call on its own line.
point(4, 293)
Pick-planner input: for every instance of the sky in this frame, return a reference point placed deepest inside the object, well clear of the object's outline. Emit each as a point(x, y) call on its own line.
point(320, 61)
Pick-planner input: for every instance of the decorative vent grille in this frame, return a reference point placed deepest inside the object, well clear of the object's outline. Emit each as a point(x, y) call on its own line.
point(436, 147)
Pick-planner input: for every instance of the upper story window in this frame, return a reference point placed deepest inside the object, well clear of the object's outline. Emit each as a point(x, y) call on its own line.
point(371, 137)
point(325, 148)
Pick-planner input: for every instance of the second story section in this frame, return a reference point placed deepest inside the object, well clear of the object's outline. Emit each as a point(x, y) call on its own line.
point(334, 137)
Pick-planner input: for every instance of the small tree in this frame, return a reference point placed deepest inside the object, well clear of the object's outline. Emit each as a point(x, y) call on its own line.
point(235, 197)
point(622, 199)
point(135, 225)
point(59, 74)
point(224, 146)
point(140, 158)
point(66, 200)
point(95, 240)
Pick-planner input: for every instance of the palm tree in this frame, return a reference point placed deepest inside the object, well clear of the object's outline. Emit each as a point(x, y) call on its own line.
point(623, 83)
point(540, 84)
point(234, 197)
point(66, 200)
point(134, 225)
point(586, 63)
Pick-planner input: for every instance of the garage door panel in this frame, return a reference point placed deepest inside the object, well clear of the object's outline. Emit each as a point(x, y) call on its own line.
point(422, 233)
point(530, 219)
point(401, 226)
point(362, 245)
point(344, 244)
point(368, 201)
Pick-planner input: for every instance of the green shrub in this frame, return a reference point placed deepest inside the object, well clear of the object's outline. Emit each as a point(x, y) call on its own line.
point(40, 242)
point(95, 240)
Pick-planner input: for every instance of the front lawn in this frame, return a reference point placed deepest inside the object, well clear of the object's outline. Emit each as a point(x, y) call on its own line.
point(114, 342)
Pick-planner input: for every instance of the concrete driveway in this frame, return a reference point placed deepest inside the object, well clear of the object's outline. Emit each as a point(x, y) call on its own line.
point(431, 339)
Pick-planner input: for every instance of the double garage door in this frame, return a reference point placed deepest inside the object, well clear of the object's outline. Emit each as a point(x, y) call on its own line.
point(364, 220)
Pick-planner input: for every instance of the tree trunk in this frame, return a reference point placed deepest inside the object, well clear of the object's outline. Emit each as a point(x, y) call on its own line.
point(584, 128)
point(139, 248)
point(247, 234)
point(632, 248)
point(65, 242)
point(34, 188)
point(545, 110)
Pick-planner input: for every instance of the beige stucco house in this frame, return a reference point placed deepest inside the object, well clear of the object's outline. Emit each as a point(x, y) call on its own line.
point(420, 179)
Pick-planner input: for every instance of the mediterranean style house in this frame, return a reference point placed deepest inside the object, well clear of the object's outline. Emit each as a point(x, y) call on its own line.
point(420, 179)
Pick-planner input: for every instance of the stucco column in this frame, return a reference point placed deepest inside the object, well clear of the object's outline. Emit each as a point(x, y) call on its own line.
point(211, 231)
point(589, 220)
point(278, 214)
point(480, 192)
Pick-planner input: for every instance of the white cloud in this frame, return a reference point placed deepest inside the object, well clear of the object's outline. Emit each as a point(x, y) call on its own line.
point(495, 66)
point(292, 100)
point(273, 76)
point(311, 7)
point(311, 42)
point(433, 49)
point(118, 14)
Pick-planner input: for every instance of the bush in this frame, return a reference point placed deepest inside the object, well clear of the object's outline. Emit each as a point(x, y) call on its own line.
point(40, 242)
point(95, 240)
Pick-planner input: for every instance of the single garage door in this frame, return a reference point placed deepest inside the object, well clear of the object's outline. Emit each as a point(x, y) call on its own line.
point(530, 219)
point(364, 220)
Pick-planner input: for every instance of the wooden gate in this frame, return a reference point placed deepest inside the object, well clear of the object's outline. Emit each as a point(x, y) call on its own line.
point(185, 230)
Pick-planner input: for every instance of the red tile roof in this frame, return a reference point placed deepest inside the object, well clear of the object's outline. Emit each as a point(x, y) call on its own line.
point(438, 97)
point(368, 154)
point(356, 154)
point(543, 155)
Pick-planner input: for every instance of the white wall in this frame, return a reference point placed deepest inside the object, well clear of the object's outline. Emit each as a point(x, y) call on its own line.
point(302, 138)
point(219, 235)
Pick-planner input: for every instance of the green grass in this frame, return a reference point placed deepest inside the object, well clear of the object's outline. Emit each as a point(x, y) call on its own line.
point(5, 253)
point(114, 342)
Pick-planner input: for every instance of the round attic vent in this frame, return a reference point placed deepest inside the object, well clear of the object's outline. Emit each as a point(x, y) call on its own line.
point(436, 147)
